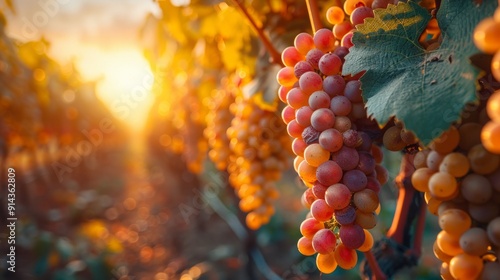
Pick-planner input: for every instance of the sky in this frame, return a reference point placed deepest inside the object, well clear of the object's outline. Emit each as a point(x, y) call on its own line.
point(101, 36)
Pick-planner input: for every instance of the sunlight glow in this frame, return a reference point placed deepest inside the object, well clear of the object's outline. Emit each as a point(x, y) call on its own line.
point(124, 81)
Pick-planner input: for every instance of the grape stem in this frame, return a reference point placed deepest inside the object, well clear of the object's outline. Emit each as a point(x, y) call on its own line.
point(313, 10)
point(275, 55)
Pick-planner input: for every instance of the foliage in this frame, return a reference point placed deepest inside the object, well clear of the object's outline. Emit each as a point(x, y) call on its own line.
point(436, 83)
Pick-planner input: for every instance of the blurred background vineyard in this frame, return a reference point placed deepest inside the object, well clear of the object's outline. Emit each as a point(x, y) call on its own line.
point(103, 110)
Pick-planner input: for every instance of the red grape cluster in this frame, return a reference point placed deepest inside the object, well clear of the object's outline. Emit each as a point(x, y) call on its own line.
point(337, 162)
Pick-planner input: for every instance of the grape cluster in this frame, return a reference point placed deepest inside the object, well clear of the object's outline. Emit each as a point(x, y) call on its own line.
point(487, 39)
point(218, 121)
point(257, 158)
point(337, 162)
point(461, 182)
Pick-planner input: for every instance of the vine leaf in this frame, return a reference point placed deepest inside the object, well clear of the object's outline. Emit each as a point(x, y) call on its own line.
point(427, 90)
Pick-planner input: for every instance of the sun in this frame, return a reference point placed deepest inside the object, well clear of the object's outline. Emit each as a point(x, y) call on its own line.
point(124, 82)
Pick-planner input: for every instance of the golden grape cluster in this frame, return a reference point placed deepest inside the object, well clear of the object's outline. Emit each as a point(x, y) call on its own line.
point(248, 142)
point(461, 182)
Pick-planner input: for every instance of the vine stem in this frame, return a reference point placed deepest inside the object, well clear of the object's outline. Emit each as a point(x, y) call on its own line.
point(275, 55)
point(405, 198)
point(377, 272)
point(313, 11)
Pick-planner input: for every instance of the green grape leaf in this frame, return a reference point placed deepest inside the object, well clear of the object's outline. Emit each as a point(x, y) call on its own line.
point(427, 90)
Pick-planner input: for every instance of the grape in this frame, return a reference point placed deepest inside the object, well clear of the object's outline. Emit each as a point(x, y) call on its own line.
point(449, 244)
point(465, 266)
point(346, 215)
point(347, 158)
point(475, 241)
point(420, 159)
point(321, 211)
point(440, 254)
point(442, 185)
point(319, 99)
point(340, 105)
point(420, 179)
point(491, 270)
point(326, 263)
point(315, 155)
point(341, 52)
point(392, 139)
point(310, 226)
point(313, 57)
point(324, 241)
point(366, 142)
point(338, 196)
point(296, 162)
point(408, 137)
point(359, 14)
point(294, 129)
point(455, 164)
point(494, 179)
point(330, 64)
point(310, 82)
point(355, 180)
point(310, 135)
point(322, 119)
point(346, 258)
point(319, 190)
point(366, 220)
point(444, 270)
point(303, 116)
point(307, 172)
point(331, 140)
point(283, 92)
point(469, 135)
point(486, 36)
point(490, 137)
point(302, 67)
point(347, 40)
point(341, 29)
point(298, 147)
point(288, 114)
point(335, 15)
point(352, 236)
point(366, 200)
point(434, 160)
point(476, 188)
point(342, 124)
point(368, 244)
point(373, 184)
point(366, 162)
point(308, 198)
point(493, 106)
point(304, 245)
point(446, 142)
point(334, 85)
point(297, 99)
point(286, 76)
point(482, 161)
point(381, 4)
point(351, 5)
point(324, 40)
point(353, 91)
point(483, 213)
point(351, 138)
point(382, 175)
point(303, 43)
point(329, 173)
point(493, 231)
point(290, 56)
